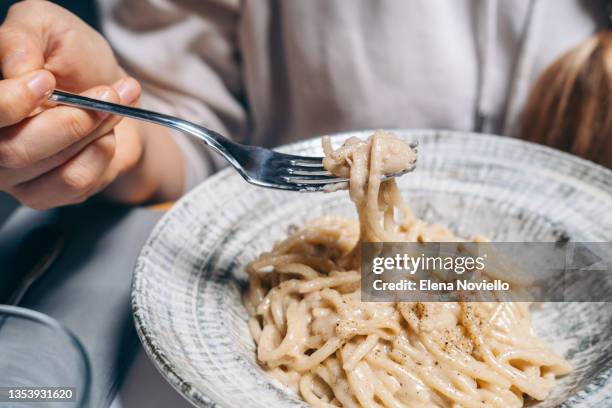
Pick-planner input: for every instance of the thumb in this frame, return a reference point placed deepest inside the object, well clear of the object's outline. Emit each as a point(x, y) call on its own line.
point(21, 50)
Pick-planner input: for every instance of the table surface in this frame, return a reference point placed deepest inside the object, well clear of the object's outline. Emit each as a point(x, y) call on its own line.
point(144, 386)
point(88, 287)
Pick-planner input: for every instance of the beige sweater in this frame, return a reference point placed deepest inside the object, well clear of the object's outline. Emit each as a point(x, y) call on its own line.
point(269, 72)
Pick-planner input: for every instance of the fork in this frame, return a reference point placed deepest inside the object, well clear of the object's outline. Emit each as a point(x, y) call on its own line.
point(257, 165)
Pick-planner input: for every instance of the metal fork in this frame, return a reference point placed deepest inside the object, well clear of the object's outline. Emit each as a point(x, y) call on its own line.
point(257, 165)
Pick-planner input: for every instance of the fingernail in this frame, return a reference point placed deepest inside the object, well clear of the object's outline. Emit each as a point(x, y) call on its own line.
point(40, 84)
point(106, 95)
point(127, 89)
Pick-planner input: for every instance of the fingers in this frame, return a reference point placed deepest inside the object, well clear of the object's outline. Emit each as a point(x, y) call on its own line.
point(40, 34)
point(56, 129)
point(12, 177)
point(127, 89)
point(22, 58)
point(21, 49)
point(21, 96)
point(72, 182)
point(65, 154)
point(50, 132)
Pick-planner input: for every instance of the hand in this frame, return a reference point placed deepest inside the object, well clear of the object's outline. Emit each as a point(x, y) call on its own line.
point(53, 156)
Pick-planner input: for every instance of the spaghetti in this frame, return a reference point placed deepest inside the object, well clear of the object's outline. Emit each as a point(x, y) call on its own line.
point(315, 335)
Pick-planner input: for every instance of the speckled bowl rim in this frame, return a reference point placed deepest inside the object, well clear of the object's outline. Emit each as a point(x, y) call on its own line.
point(191, 394)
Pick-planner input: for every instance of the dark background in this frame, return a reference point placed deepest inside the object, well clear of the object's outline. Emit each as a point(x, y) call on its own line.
point(86, 9)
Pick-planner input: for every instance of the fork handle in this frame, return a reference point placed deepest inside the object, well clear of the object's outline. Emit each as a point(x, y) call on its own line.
point(211, 138)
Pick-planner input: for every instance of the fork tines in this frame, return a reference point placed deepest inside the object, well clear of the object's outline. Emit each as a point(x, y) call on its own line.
point(309, 171)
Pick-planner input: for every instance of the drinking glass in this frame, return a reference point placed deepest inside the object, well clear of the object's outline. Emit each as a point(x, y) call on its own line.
point(42, 363)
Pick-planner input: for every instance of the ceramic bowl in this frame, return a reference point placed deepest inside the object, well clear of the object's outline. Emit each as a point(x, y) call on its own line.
point(189, 278)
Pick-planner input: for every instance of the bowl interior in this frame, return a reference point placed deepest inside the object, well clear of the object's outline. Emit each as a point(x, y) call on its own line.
point(190, 276)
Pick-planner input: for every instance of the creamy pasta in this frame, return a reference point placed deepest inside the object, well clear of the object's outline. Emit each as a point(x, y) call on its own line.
point(315, 335)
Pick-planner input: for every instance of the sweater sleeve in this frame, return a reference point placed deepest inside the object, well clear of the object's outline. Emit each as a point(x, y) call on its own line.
point(185, 55)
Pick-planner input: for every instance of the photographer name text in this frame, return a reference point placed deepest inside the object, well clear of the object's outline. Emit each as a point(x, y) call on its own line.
point(427, 285)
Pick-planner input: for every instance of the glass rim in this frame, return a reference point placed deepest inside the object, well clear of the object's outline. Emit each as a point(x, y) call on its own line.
point(50, 322)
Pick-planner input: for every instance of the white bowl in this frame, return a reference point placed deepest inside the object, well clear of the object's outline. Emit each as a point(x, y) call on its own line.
point(188, 281)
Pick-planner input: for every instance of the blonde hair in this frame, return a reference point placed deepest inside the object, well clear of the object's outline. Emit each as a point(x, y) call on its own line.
point(570, 105)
